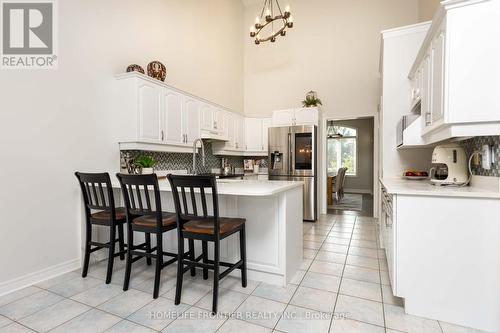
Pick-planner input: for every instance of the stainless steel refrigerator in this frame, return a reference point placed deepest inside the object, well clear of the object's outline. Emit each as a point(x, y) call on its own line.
point(293, 156)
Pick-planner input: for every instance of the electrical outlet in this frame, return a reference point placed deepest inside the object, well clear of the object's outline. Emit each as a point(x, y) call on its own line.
point(486, 157)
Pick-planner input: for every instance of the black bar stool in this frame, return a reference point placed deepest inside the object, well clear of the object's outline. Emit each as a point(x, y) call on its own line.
point(141, 216)
point(96, 198)
point(207, 228)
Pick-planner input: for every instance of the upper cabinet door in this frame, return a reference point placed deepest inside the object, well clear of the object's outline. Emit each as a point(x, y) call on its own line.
point(283, 117)
point(219, 121)
point(426, 91)
point(173, 117)
point(150, 113)
point(306, 116)
point(207, 117)
point(437, 56)
point(231, 129)
point(253, 137)
point(240, 138)
point(266, 123)
point(191, 121)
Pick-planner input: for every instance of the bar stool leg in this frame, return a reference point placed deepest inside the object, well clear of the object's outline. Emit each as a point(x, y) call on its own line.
point(159, 264)
point(191, 256)
point(111, 255)
point(121, 241)
point(204, 249)
point(243, 254)
point(180, 270)
point(216, 277)
point(88, 239)
point(128, 264)
point(147, 237)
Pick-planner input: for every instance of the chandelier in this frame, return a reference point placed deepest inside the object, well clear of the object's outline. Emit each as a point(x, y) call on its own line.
point(282, 20)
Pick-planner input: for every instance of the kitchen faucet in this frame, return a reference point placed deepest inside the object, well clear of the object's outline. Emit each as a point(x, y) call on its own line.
point(195, 142)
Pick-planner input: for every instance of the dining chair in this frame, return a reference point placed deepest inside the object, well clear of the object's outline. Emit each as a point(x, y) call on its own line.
point(207, 227)
point(339, 183)
point(144, 214)
point(100, 210)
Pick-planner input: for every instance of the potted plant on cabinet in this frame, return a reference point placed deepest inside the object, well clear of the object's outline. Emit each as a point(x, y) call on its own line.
point(311, 100)
point(145, 163)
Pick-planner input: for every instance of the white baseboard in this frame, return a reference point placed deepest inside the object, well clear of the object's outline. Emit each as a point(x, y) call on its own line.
point(357, 190)
point(36, 277)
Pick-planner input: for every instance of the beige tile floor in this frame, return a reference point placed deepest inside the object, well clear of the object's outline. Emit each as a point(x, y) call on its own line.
point(343, 286)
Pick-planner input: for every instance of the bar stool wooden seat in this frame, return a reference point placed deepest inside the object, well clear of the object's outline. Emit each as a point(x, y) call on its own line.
point(98, 196)
point(206, 228)
point(145, 215)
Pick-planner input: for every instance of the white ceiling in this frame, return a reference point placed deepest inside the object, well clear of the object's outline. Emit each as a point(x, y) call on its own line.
point(251, 2)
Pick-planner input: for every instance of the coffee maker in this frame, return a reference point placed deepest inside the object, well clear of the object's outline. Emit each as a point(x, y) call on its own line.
point(449, 165)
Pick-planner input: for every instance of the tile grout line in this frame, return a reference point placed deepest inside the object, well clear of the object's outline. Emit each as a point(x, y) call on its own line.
point(342, 277)
point(287, 304)
point(381, 288)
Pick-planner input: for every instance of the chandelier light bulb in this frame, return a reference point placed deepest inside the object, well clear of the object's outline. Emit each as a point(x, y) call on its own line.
point(252, 28)
point(287, 9)
point(257, 20)
point(268, 12)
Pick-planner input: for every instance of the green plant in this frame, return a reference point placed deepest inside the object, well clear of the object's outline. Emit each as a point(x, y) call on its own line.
point(311, 101)
point(145, 161)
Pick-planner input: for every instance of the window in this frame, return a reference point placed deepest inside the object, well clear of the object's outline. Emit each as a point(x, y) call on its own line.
point(342, 149)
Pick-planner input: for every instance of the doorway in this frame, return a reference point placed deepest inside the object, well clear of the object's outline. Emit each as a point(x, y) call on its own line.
point(350, 166)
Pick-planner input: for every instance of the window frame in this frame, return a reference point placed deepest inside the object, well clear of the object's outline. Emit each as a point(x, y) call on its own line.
point(355, 174)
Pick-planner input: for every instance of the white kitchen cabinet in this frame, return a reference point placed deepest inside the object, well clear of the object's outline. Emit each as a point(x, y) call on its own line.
point(212, 118)
point(256, 130)
point(173, 117)
point(388, 228)
point(283, 117)
point(437, 56)
point(293, 117)
point(266, 123)
point(462, 61)
point(213, 122)
point(240, 132)
point(426, 91)
point(191, 120)
point(231, 130)
point(307, 116)
point(429, 243)
point(246, 137)
point(150, 112)
point(254, 134)
point(151, 115)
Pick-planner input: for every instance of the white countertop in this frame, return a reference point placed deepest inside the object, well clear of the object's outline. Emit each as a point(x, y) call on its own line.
point(241, 187)
point(487, 187)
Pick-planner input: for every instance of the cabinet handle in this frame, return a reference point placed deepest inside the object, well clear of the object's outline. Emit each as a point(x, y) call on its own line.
point(162, 135)
point(186, 138)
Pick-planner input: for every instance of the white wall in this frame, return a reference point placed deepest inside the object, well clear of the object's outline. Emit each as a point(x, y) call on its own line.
point(427, 9)
point(53, 123)
point(334, 49)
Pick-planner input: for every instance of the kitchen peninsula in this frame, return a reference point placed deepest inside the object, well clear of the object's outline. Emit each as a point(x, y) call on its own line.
point(273, 210)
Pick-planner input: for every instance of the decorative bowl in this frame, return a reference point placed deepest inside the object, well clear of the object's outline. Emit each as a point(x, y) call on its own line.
point(157, 70)
point(135, 68)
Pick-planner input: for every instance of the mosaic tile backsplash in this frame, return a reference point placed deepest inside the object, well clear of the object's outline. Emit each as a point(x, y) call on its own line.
point(184, 161)
point(473, 144)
